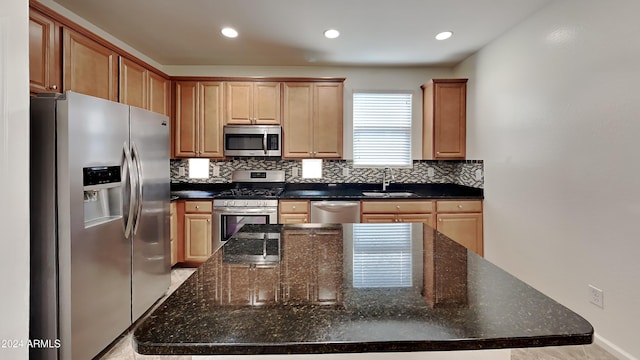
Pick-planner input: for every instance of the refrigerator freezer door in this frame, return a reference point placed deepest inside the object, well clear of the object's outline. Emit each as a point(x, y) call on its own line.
point(151, 247)
point(94, 258)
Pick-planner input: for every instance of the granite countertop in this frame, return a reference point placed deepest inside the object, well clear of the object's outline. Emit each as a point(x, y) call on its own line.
point(318, 295)
point(316, 191)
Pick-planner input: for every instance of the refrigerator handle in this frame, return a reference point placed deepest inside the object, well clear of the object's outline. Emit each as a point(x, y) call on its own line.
point(127, 217)
point(135, 156)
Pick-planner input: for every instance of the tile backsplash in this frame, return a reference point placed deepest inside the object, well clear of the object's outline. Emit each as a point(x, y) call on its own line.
point(463, 172)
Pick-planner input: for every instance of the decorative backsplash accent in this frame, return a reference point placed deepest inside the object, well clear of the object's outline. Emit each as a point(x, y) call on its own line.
point(464, 172)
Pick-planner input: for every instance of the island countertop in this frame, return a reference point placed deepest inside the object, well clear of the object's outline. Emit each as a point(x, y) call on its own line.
point(350, 288)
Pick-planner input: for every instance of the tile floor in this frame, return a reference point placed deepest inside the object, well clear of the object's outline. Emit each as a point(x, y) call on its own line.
point(122, 349)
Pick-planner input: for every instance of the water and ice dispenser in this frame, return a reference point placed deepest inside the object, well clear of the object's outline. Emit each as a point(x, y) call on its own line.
point(102, 194)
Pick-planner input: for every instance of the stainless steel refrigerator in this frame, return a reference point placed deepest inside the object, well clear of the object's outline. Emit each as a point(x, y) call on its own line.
point(100, 251)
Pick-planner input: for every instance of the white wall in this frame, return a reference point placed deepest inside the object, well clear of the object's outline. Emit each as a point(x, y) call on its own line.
point(358, 78)
point(554, 107)
point(14, 160)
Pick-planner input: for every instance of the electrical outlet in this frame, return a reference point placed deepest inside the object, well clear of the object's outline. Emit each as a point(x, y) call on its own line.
point(478, 175)
point(294, 171)
point(181, 171)
point(345, 172)
point(430, 172)
point(596, 296)
point(216, 170)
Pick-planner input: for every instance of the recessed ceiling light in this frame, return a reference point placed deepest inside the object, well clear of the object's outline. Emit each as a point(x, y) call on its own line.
point(331, 33)
point(229, 32)
point(444, 35)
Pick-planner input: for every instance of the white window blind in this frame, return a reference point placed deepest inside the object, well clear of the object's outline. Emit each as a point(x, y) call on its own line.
point(382, 129)
point(382, 255)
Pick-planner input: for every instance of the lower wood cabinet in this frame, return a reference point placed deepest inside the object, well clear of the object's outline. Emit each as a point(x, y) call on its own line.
point(173, 211)
point(293, 211)
point(398, 211)
point(462, 222)
point(197, 231)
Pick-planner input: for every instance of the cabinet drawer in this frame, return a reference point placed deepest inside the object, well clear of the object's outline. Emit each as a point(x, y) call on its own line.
point(453, 206)
point(400, 207)
point(294, 207)
point(198, 207)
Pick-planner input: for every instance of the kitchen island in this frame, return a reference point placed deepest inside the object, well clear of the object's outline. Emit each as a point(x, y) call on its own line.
point(352, 288)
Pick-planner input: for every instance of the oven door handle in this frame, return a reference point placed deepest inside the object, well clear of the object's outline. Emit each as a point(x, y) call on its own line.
point(242, 211)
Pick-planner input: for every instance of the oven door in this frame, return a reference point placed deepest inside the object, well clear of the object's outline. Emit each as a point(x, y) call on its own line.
point(229, 220)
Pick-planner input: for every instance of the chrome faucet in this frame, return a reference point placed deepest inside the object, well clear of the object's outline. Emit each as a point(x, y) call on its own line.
point(386, 181)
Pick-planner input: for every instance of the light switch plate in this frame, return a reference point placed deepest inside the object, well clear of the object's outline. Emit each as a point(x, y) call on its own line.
point(216, 170)
point(181, 171)
point(345, 171)
point(294, 171)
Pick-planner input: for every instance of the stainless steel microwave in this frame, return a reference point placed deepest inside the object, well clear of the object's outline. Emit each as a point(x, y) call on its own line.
point(253, 140)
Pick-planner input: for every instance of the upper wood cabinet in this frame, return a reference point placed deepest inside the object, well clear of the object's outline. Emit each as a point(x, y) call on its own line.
point(143, 88)
point(312, 119)
point(444, 116)
point(251, 103)
point(89, 68)
point(45, 69)
point(198, 119)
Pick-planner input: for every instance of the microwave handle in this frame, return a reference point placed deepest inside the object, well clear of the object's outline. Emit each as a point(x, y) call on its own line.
point(264, 142)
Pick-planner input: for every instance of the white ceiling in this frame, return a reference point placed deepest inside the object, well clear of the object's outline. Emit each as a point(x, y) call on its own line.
point(289, 32)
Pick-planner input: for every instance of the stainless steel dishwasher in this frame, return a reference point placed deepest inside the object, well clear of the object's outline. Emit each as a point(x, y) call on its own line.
point(335, 212)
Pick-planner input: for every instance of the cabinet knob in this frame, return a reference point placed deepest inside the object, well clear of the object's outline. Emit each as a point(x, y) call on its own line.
point(459, 206)
point(440, 219)
point(197, 206)
point(398, 207)
point(294, 207)
point(53, 87)
point(305, 220)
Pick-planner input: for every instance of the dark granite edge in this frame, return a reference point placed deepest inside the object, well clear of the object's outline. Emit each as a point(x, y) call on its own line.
point(360, 347)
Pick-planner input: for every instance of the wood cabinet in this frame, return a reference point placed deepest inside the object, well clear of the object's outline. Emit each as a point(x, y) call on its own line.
point(252, 103)
point(173, 226)
point(312, 123)
point(294, 211)
point(143, 88)
point(250, 284)
point(89, 68)
point(198, 119)
point(312, 265)
point(374, 211)
point(462, 221)
point(444, 119)
point(45, 69)
point(197, 231)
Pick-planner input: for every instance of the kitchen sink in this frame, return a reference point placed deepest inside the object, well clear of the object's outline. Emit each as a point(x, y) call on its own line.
point(392, 194)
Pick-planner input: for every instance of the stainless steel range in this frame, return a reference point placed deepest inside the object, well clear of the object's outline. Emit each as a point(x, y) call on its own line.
point(253, 200)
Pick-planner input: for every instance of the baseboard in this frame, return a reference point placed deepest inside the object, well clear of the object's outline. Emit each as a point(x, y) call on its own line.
point(612, 349)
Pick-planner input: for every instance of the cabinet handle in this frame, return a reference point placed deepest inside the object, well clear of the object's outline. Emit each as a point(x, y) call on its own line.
point(305, 220)
point(293, 207)
point(438, 152)
point(440, 219)
point(398, 207)
point(53, 87)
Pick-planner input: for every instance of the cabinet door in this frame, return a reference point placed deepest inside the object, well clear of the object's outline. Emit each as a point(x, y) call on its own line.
point(197, 237)
point(210, 120)
point(328, 119)
point(89, 68)
point(44, 54)
point(466, 229)
point(297, 252)
point(379, 218)
point(185, 135)
point(297, 120)
point(133, 84)
point(158, 94)
point(239, 98)
point(428, 219)
point(266, 103)
point(450, 120)
point(174, 232)
point(266, 284)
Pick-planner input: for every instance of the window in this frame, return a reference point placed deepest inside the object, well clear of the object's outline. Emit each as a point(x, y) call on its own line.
point(382, 255)
point(382, 129)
